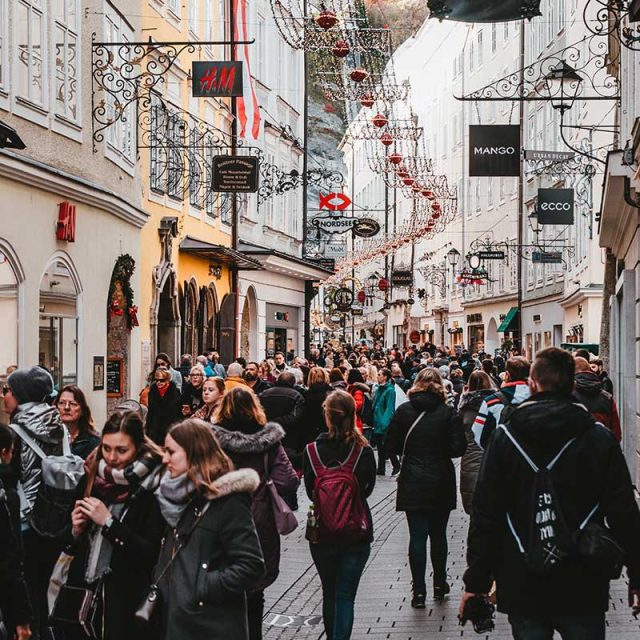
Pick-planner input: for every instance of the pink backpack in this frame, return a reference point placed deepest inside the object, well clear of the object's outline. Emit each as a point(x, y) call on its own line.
point(339, 509)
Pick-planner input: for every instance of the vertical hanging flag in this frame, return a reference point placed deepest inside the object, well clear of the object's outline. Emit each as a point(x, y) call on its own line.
point(248, 107)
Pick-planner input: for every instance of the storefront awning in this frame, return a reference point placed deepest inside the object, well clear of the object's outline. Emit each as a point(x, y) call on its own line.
point(508, 324)
point(219, 253)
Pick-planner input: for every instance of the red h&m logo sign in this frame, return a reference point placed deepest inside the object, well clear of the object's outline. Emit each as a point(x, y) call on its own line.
point(66, 226)
point(216, 79)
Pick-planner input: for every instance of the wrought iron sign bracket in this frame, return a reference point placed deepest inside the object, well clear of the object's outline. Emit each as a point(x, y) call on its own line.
point(125, 73)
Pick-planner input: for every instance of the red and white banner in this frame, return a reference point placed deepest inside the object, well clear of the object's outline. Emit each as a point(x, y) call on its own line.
point(248, 107)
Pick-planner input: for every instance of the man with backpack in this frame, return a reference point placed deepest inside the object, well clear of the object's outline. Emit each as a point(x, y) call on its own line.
point(498, 406)
point(550, 477)
point(25, 400)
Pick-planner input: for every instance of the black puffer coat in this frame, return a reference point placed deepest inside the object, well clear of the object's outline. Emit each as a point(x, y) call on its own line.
point(312, 423)
point(468, 408)
point(592, 470)
point(427, 481)
point(164, 411)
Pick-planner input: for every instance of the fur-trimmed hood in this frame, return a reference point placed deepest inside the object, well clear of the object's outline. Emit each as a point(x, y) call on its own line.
point(239, 481)
point(239, 442)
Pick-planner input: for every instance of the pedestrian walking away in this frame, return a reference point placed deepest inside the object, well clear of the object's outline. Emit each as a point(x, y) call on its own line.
point(427, 433)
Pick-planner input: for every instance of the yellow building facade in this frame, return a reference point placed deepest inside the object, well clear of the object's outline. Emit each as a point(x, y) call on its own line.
point(188, 270)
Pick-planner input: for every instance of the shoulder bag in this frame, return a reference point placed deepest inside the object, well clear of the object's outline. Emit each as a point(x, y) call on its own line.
point(150, 605)
point(285, 519)
point(404, 446)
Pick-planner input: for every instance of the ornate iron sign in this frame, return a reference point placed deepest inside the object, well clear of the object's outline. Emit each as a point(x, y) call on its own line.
point(490, 255)
point(402, 278)
point(366, 227)
point(474, 11)
point(333, 224)
point(343, 299)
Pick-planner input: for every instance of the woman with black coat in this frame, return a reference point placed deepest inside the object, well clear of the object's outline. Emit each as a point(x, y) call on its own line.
point(251, 442)
point(164, 405)
point(211, 550)
point(428, 433)
point(480, 386)
point(312, 423)
point(116, 526)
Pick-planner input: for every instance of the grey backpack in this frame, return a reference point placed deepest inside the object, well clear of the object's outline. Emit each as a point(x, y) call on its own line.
point(61, 475)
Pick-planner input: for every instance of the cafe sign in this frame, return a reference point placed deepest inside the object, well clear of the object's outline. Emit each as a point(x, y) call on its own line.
point(235, 174)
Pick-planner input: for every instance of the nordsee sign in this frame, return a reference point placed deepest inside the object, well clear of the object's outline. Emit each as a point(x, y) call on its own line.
point(555, 206)
point(334, 224)
point(494, 150)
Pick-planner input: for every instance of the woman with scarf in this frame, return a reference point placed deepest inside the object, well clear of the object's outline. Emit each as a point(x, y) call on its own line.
point(212, 392)
point(164, 405)
point(250, 441)
point(117, 526)
point(211, 553)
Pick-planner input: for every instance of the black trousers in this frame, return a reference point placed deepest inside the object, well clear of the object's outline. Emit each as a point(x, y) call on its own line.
point(255, 613)
point(377, 439)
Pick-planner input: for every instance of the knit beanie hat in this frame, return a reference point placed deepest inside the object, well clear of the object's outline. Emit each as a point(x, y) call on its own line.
point(31, 385)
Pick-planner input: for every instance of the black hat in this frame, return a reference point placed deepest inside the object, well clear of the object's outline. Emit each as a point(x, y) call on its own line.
point(31, 385)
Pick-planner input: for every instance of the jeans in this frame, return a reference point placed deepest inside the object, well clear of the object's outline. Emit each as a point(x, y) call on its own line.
point(340, 569)
point(423, 525)
point(255, 613)
point(588, 626)
point(377, 439)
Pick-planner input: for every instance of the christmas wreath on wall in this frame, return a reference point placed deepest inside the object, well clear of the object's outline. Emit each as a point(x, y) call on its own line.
point(121, 293)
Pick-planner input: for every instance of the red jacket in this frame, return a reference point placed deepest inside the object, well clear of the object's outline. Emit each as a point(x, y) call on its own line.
point(357, 390)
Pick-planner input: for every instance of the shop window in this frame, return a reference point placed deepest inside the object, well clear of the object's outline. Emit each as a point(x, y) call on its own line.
point(30, 21)
point(58, 332)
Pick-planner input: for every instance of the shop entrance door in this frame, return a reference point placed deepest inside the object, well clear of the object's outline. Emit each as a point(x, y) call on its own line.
point(276, 341)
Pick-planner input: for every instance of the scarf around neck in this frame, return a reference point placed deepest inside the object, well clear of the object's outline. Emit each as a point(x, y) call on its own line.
point(174, 495)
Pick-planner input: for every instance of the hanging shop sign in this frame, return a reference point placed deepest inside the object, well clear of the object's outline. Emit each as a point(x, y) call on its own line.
point(334, 224)
point(414, 337)
point(366, 227)
point(491, 255)
point(343, 299)
point(555, 206)
point(402, 278)
point(357, 311)
point(487, 11)
point(549, 156)
point(66, 225)
point(216, 79)
point(334, 201)
point(335, 250)
point(494, 150)
point(547, 257)
point(235, 174)
point(326, 263)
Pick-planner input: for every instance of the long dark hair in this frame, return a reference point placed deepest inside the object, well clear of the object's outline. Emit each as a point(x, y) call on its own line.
point(85, 424)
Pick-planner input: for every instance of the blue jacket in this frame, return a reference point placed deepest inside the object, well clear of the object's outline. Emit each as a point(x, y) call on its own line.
point(384, 406)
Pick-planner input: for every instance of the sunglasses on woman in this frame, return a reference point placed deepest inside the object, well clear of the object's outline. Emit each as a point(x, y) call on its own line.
point(6, 389)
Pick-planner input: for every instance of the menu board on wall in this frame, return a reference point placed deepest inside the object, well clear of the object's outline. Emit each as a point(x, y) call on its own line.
point(115, 377)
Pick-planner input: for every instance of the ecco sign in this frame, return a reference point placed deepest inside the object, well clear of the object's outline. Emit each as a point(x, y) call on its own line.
point(555, 206)
point(494, 150)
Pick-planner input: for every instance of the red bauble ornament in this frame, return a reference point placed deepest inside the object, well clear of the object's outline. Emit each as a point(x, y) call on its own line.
point(383, 284)
point(361, 296)
point(379, 120)
point(367, 100)
point(435, 215)
point(359, 74)
point(428, 194)
point(326, 19)
point(341, 49)
point(408, 181)
point(387, 140)
point(402, 174)
point(436, 206)
point(396, 158)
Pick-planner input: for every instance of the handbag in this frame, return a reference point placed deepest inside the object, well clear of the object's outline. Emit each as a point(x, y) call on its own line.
point(77, 609)
point(598, 549)
point(152, 601)
point(285, 519)
point(404, 446)
point(59, 578)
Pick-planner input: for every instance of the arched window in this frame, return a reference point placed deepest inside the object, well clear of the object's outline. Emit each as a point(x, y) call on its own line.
point(11, 275)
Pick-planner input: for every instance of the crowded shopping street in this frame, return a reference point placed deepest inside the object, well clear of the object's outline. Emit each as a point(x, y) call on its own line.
point(320, 319)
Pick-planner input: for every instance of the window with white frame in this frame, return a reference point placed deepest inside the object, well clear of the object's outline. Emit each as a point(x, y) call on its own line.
point(194, 25)
point(489, 192)
point(119, 136)
point(156, 153)
point(31, 60)
point(66, 54)
point(261, 44)
point(4, 31)
point(174, 7)
point(196, 176)
point(221, 21)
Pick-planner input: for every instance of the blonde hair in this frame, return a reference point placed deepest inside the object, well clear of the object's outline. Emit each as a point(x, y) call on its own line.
point(205, 458)
point(428, 380)
point(240, 404)
point(340, 415)
point(318, 374)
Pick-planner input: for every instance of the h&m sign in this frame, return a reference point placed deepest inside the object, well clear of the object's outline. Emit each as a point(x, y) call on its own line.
point(555, 206)
point(66, 223)
point(216, 79)
point(494, 150)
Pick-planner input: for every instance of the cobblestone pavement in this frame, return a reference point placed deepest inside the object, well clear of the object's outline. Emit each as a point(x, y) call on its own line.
point(383, 610)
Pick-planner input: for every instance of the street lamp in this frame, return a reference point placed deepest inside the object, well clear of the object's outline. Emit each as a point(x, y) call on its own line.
point(453, 255)
point(563, 83)
point(534, 222)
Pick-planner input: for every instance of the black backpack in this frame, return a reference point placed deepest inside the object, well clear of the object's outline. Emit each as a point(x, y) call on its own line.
point(366, 413)
point(550, 539)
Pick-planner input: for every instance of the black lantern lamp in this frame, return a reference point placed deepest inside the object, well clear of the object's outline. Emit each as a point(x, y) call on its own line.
point(9, 138)
point(453, 256)
point(534, 222)
point(563, 84)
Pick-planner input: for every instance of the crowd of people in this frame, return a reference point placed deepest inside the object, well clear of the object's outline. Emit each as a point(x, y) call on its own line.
point(166, 521)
